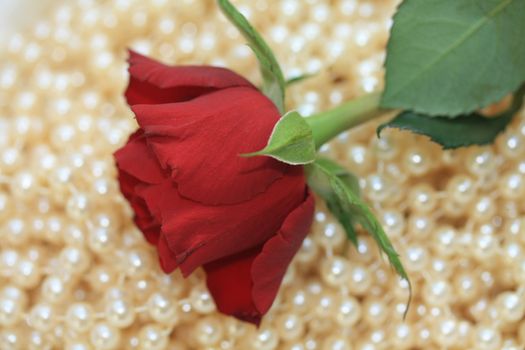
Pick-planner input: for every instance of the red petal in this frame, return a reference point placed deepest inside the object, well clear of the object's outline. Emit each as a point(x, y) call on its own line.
point(142, 217)
point(138, 161)
point(245, 285)
point(201, 140)
point(167, 258)
point(200, 234)
point(230, 283)
point(152, 82)
point(270, 265)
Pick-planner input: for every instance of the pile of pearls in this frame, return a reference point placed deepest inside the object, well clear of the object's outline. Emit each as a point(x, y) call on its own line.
point(76, 274)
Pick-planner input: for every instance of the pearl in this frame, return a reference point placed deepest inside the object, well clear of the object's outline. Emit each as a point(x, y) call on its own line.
point(393, 223)
point(290, 327)
point(416, 161)
point(80, 317)
point(74, 260)
point(104, 336)
point(332, 236)
point(360, 280)
point(54, 289)
point(162, 310)
point(42, 317)
point(511, 307)
point(486, 338)
point(378, 188)
point(152, 337)
point(336, 343)
point(422, 198)
point(10, 311)
point(208, 331)
point(28, 274)
point(202, 301)
point(335, 271)
point(265, 339)
point(119, 313)
point(348, 312)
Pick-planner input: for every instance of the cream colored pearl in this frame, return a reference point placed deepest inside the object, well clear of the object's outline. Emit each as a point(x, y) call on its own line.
point(10, 311)
point(208, 331)
point(162, 309)
point(348, 312)
point(202, 301)
point(336, 343)
point(119, 312)
point(28, 274)
point(54, 289)
point(486, 338)
point(511, 306)
point(79, 317)
point(422, 198)
point(104, 336)
point(74, 260)
point(152, 337)
point(42, 317)
point(335, 271)
point(289, 327)
point(265, 339)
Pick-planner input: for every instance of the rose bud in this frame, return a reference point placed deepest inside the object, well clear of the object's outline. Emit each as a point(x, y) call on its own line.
point(195, 198)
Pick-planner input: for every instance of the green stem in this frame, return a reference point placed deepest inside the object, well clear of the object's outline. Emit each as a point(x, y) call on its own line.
point(326, 125)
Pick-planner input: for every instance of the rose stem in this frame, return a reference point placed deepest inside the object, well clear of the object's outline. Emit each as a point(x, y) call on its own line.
point(326, 125)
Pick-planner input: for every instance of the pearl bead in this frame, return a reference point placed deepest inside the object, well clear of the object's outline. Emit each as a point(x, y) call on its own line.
point(289, 326)
point(393, 223)
point(10, 311)
point(422, 198)
point(466, 286)
point(161, 309)
point(104, 336)
point(28, 274)
point(119, 313)
point(331, 236)
point(54, 289)
point(486, 338)
point(348, 312)
point(152, 337)
point(461, 188)
point(511, 307)
point(360, 280)
point(512, 185)
point(208, 331)
point(437, 292)
point(42, 317)
point(74, 260)
point(79, 317)
point(202, 301)
point(511, 145)
point(378, 188)
point(336, 343)
point(374, 312)
point(335, 271)
point(359, 159)
point(416, 161)
point(265, 339)
point(480, 161)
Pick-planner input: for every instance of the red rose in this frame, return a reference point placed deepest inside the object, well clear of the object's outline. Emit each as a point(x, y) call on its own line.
point(195, 198)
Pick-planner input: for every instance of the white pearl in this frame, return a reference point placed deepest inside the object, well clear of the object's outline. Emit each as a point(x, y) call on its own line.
point(104, 336)
point(79, 317)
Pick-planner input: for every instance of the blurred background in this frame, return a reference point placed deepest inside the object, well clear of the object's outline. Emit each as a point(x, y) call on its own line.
point(18, 14)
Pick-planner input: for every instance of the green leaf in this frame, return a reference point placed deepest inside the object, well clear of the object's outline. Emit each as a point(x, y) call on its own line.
point(273, 79)
point(291, 141)
point(320, 183)
point(450, 57)
point(298, 79)
point(328, 180)
point(465, 130)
